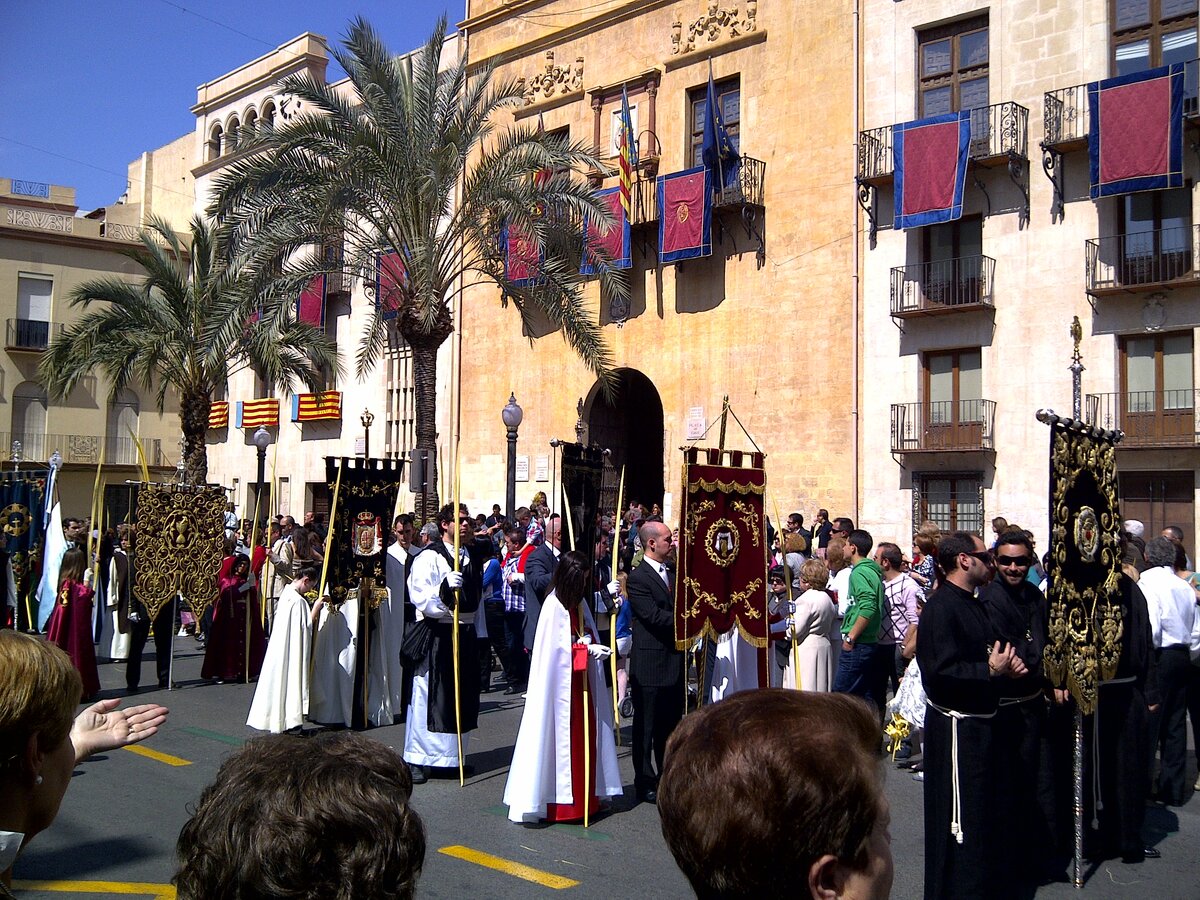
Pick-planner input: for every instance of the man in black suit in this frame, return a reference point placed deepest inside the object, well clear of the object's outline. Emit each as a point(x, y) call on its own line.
point(399, 555)
point(656, 668)
point(539, 572)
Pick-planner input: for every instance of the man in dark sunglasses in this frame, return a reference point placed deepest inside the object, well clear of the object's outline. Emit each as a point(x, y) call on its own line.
point(1018, 613)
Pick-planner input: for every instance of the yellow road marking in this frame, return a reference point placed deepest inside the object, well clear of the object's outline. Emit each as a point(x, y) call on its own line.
point(508, 867)
point(161, 757)
point(142, 888)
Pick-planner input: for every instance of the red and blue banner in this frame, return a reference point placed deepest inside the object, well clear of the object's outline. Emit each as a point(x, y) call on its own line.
point(310, 306)
point(685, 215)
point(325, 406)
point(930, 157)
point(522, 257)
point(607, 249)
point(253, 413)
point(1135, 138)
point(390, 277)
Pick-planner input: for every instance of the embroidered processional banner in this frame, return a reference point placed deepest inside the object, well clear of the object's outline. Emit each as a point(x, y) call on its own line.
point(582, 479)
point(179, 547)
point(1086, 623)
point(361, 523)
point(722, 578)
point(22, 520)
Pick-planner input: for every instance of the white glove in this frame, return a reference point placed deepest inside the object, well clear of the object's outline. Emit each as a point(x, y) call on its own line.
point(598, 651)
point(517, 578)
point(252, 580)
point(454, 580)
point(613, 588)
point(585, 639)
point(87, 577)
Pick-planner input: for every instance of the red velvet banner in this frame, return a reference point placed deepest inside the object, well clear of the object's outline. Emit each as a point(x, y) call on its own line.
point(310, 307)
point(722, 577)
point(388, 285)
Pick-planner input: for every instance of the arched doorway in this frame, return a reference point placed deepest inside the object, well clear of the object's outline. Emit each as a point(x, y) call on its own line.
point(630, 424)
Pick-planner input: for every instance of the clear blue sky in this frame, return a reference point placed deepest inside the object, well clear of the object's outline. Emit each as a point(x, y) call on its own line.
point(87, 85)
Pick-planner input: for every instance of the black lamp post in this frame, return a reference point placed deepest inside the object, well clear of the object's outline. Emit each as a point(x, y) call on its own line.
point(366, 418)
point(262, 440)
point(511, 416)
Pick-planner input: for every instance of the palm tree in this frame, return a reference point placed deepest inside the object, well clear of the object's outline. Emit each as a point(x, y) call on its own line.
point(186, 327)
point(414, 165)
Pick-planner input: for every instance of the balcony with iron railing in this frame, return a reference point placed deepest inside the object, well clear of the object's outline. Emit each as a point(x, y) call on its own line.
point(943, 426)
point(82, 449)
point(1067, 117)
point(30, 334)
point(1147, 260)
point(745, 188)
point(999, 133)
point(942, 287)
point(1165, 418)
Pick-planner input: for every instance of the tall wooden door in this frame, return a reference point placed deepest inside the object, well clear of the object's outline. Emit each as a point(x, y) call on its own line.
point(1159, 499)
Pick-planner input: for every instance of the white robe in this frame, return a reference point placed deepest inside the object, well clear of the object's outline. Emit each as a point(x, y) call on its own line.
point(333, 664)
point(735, 668)
point(423, 747)
point(119, 648)
point(281, 697)
point(541, 768)
point(384, 671)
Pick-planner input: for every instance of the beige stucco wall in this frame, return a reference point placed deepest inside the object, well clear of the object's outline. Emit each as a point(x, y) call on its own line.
point(775, 336)
point(1039, 275)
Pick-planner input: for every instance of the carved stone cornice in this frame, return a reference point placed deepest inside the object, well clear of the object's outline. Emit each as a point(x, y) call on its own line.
point(716, 25)
point(554, 81)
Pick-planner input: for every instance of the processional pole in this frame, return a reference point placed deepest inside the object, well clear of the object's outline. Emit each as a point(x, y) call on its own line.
point(1077, 773)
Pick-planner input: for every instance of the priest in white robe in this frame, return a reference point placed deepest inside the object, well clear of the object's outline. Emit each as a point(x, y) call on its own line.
point(281, 695)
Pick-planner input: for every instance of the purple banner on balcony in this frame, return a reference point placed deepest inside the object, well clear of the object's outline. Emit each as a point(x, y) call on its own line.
point(685, 215)
point(930, 158)
point(614, 243)
point(310, 307)
point(1135, 142)
point(522, 257)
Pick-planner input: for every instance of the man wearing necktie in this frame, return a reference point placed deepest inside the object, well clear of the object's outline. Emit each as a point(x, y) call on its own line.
point(656, 668)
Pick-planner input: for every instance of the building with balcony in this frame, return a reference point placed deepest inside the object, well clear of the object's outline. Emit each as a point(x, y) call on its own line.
point(47, 249)
point(766, 318)
point(966, 320)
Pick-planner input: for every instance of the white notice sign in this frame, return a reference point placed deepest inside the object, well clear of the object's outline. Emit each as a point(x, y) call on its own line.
point(522, 468)
point(542, 468)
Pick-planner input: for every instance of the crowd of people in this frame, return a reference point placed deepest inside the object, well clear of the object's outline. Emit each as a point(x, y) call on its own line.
point(943, 645)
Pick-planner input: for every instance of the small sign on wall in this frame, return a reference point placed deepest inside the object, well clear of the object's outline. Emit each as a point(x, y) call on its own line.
point(542, 469)
point(522, 468)
point(696, 423)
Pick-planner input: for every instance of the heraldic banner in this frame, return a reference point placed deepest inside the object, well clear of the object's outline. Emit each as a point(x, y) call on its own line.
point(722, 576)
point(1086, 625)
point(582, 478)
point(22, 513)
point(180, 545)
point(361, 523)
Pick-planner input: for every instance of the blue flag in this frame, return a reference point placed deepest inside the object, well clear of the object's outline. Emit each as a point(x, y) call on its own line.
point(717, 149)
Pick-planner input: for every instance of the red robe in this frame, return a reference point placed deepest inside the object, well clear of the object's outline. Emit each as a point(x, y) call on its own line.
point(225, 656)
point(70, 627)
point(573, 812)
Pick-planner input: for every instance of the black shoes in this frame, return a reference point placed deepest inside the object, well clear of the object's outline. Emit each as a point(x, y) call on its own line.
point(650, 796)
point(514, 689)
point(1145, 853)
point(418, 774)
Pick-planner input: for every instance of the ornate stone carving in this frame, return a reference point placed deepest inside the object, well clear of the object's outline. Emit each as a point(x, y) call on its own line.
point(555, 81)
point(715, 25)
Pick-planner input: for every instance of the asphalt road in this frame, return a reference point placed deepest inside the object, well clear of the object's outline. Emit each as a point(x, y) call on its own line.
point(115, 834)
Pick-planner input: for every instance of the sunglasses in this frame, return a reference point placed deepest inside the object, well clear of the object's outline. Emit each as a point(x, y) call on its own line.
point(984, 556)
point(1013, 560)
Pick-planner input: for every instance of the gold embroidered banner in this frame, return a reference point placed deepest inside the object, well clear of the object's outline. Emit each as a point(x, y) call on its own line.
point(722, 578)
point(1085, 624)
point(179, 546)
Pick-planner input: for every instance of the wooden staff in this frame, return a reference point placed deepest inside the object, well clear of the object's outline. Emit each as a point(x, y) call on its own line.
point(787, 579)
point(253, 544)
point(454, 636)
point(587, 733)
point(95, 565)
point(612, 627)
point(337, 489)
point(567, 516)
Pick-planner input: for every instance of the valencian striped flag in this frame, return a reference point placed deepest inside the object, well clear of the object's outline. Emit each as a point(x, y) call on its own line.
point(253, 413)
point(320, 407)
point(218, 414)
point(629, 155)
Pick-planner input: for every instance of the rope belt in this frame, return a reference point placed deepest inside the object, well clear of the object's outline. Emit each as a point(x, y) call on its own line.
point(955, 793)
point(1097, 804)
point(1016, 701)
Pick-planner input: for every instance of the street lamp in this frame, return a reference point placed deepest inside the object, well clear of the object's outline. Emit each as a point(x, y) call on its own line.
point(262, 440)
point(366, 418)
point(511, 415)
point(15, 453)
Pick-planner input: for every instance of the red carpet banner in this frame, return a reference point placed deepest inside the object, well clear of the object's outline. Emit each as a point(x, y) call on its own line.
point(322, 407)
point(930, 157)
point(361, 523)
point(1085, 560)
point(1135, 136)
point(722, 577)
point(310, 307)
point(613, 245)
point(180, 544)
point(685, 215)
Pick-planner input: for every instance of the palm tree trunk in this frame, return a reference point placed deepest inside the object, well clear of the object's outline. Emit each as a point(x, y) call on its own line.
point(193, 418)
point(425, 397)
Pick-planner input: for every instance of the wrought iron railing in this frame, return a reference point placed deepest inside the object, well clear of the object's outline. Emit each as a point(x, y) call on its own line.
point(1067, 118)
point(36, 449)
point(943, 425)
point(746, 188)
point(1148, 418)
point(999, 130)
point(30, 334)
point(944, 286)
point(1142, 260)
point(645, 202)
